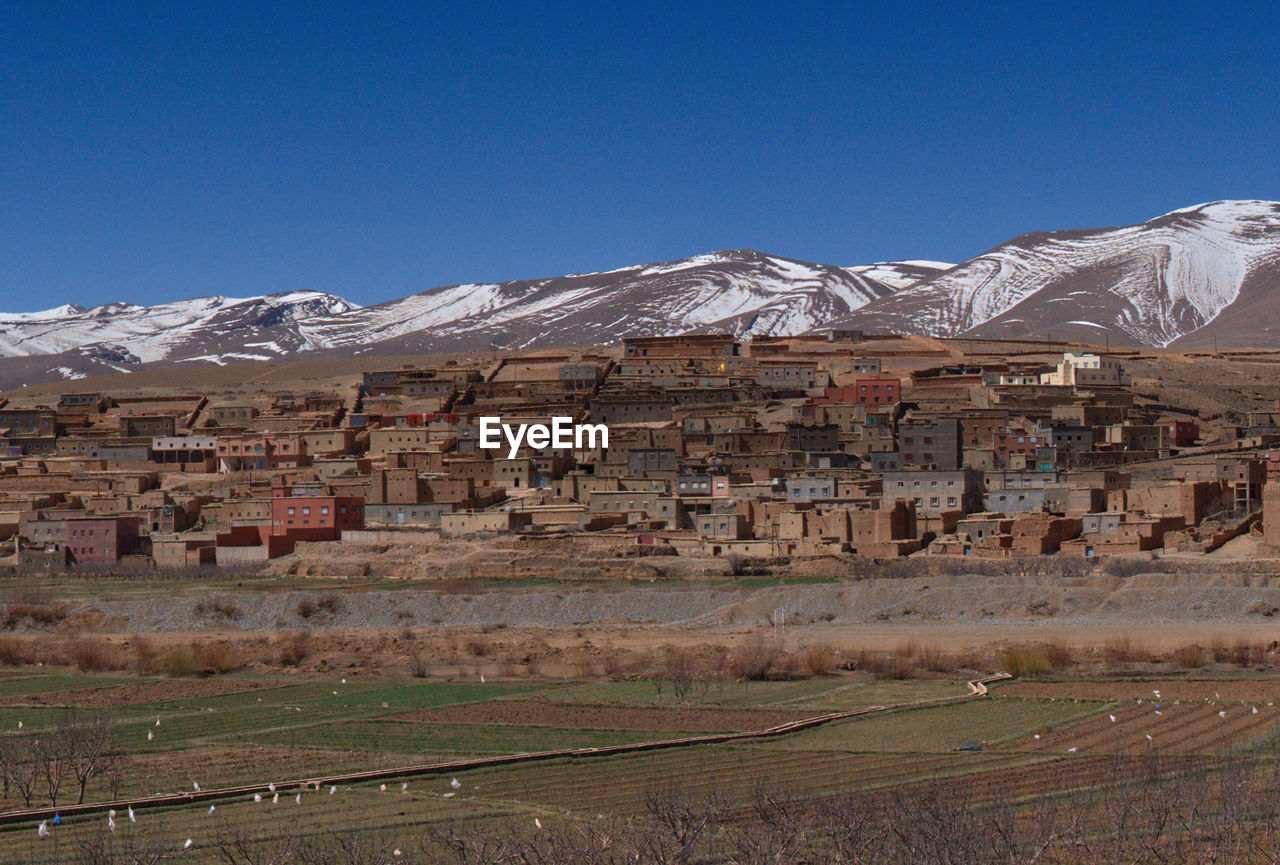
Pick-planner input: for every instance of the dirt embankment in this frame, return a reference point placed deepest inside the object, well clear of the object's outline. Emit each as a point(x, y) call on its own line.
point(944, 600)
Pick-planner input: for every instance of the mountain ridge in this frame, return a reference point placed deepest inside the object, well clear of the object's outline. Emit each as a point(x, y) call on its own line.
point(1209, 273)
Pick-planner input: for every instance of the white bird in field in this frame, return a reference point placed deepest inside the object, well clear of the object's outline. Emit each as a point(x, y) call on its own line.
point(157, 720)
point(404, 786)
point(275, 800)
point(482, 678)
point(383, 788)
point(1149, 737)
point(1037, 737)
point(1071, 750)
point(111, 821)
point(1158, 712)
point(196, 786)
point(335, 693)
point(298, 798)
point(257, 797)
point(1222, 714)
point(43, 829)
point(450, 795)
point(537, 822)
point(1254, 711)
point(332, 790)
point(19, 725)
point(1113, 718)
point(213, 808)
point(1157, 693)
point(455, 784)
point(344, 681)
point(132, 819)
point(272, 787)
point(187, 846)
point(396, 852)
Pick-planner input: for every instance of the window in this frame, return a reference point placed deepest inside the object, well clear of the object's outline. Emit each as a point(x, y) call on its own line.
point(324, 510)
point(306, 512)
point(290, 511)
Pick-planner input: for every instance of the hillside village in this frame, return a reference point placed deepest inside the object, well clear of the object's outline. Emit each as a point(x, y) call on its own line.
point(831, 444)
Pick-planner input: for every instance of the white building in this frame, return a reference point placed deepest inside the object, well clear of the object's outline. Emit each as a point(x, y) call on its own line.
point(1083, 369)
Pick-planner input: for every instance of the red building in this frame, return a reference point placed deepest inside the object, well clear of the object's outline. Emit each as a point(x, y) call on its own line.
point(314, 518)
point(877, 391)
point(101, 540)
point(1005, 444)
point(1182, 433)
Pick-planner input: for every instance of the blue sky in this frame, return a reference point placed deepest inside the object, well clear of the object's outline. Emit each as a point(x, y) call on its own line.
point(156, 152)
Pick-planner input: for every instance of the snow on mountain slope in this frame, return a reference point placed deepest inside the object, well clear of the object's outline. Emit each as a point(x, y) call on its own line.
point(743, 291)
point(1148, 284)
point(171, 331)
point(900, 274)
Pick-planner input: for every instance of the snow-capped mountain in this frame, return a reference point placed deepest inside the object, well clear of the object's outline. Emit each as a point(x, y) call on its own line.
point(140, 334)
point(1204, 273)
point(1185, 277)
point(742, 291)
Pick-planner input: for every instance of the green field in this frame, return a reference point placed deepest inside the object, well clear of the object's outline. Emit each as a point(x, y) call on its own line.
point(287, 727)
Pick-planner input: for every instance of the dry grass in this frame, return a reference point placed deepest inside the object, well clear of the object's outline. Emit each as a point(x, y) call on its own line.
point(219, 658)
point(44, 615)
point(818, 660)
point(96, 656)
point(294, 648)
point(217, 607)
point(419, 664)
point(1189, 657)
point(177, 662)
point(1025, 661)
point(1124, 651)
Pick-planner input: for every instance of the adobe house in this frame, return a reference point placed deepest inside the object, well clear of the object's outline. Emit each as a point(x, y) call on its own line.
point(686, 345)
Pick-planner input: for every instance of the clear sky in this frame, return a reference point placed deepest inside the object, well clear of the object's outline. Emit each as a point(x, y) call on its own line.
point(157, 152)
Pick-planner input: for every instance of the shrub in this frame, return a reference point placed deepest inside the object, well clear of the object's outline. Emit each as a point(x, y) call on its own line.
point(1123, 651)
point(295, 649)
point(1060, 657)
point(217, 607)
point(476, 647)
point(14, 652)
point(419, 665)
point(933, 659)
point(329, 603)
point(818, 659)
point(219, 658)
point(1189, 657)
point(1022, 661)
point(145, 653)
point(34, 614)
point(887, 665)
point(177, 661)
point(755, 660)
point(1248, 654)
point(95, 656)
point(307, 608)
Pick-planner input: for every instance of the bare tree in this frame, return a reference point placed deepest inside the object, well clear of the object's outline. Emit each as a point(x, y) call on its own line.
point(53, 753)
point(90, 742)
point(24, 768)
point(682, 821)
